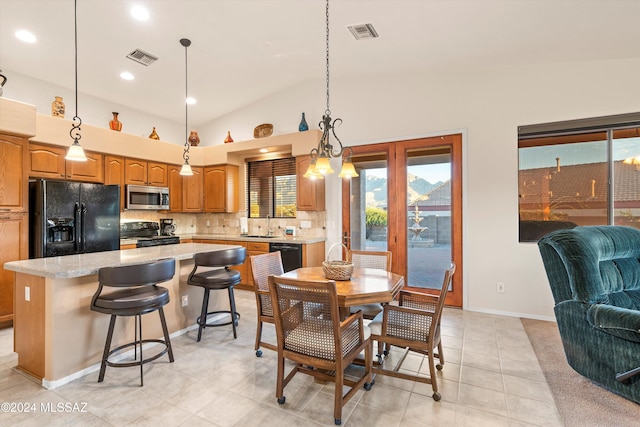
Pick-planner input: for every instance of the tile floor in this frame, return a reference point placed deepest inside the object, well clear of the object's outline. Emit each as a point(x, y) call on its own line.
point(491, 378)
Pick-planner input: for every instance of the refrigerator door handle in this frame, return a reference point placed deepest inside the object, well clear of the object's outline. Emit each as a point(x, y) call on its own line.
point(76, 218)
point(83, 215)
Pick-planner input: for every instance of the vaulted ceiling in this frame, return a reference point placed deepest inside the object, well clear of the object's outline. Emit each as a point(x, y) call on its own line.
point(245, 50)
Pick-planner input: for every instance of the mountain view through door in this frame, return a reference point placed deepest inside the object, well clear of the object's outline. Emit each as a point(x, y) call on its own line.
point(405, 206)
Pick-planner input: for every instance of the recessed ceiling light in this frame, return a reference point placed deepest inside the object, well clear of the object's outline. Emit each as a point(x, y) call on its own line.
point(264, 150)
point(140, 13)
point(26, 36)
point(127, 75)
point(191, 101)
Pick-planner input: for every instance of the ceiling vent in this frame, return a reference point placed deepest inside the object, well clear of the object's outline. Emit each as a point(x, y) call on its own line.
point(363, 31)
point(142, 57)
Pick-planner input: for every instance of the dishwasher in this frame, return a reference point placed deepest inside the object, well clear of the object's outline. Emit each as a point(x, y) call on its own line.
point(291, 254)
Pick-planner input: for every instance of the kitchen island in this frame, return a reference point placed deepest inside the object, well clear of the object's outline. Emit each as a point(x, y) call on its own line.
point(57, 336)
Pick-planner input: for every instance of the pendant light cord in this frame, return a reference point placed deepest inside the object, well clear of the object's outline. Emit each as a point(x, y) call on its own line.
point(75, 127)
point(185, 155)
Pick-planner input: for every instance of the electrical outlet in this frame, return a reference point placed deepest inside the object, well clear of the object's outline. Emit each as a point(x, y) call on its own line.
point(185, 300)
point(27, 293)
point(305, 224)
point(500, 288)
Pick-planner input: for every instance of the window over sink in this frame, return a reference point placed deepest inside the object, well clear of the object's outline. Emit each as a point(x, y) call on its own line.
point(271, 188)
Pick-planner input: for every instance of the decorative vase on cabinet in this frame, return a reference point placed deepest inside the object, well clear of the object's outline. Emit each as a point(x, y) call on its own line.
point(57, 107)
point(303, 124)
point(115, 123)
point(194, 139)
point(154, 134)
point(228, 139)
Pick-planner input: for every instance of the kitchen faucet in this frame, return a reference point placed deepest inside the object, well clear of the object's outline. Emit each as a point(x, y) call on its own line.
point(268, 225)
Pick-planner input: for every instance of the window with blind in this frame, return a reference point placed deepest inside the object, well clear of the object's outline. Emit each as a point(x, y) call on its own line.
point(579, 172)
point(271, 188)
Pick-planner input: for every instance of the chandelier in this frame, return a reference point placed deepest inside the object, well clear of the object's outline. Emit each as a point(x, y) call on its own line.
point(319, 166)
point(76, 153)
point(186, 167)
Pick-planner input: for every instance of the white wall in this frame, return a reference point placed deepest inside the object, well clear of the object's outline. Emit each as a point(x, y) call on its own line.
point(487, 106)
point(93, 111)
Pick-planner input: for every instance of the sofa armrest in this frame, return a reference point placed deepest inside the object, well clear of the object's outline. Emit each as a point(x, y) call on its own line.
point(620, 322)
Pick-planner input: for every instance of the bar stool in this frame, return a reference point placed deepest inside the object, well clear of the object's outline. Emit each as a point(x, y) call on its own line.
point(221, 277)
point(140, 295)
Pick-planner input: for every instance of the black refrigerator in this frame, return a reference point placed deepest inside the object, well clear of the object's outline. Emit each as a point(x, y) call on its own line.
point(72, 218)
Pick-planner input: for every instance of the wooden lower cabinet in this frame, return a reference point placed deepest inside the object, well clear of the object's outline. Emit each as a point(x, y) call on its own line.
point(254, 248)
point(312, 256)
point(14, 232)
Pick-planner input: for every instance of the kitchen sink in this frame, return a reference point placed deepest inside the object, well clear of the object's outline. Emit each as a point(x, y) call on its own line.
point(260, 236)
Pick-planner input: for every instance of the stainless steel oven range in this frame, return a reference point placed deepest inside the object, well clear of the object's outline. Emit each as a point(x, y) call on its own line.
point(146, 233)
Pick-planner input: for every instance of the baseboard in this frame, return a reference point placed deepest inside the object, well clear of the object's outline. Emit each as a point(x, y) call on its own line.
point(50, 385)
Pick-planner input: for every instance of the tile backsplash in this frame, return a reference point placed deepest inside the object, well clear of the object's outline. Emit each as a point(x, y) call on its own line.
point(229, 223)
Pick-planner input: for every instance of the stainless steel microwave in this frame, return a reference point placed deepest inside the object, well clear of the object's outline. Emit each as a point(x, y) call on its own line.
point(147, 197)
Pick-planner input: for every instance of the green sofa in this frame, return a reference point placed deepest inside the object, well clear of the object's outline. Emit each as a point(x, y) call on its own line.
point(594, 273)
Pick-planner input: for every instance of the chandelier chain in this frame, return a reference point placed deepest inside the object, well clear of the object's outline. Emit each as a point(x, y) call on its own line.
point(328, 111)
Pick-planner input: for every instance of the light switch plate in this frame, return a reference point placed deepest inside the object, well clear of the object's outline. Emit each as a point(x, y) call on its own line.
point(305, 224)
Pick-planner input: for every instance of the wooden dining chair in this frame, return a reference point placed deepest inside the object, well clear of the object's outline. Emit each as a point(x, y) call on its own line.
point(414, 324)
point(263, 266)
point(310, 333)
point(380, 260)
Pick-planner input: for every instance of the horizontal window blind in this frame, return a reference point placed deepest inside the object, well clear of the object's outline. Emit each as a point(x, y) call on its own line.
point(271, 188)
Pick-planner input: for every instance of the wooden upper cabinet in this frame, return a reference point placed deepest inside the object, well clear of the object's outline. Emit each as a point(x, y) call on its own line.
point(192, 200)
point(90, 171)
point(221, 188)
point(141, 172)
point(14, 186)
point(114, 174)
point(135, 171)
point(175, 188)
point(47, 161)
point(310, 191)
point(157, 174)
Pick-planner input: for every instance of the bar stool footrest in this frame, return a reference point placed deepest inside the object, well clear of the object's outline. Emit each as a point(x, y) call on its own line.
point(137, 362)
point(207, 325)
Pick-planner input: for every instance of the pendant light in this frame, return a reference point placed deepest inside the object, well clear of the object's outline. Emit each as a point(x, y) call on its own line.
point(76, 153)
point(186, 167)
point(319, 166)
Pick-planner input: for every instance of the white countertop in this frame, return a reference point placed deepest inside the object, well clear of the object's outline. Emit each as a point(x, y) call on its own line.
point(68, 266)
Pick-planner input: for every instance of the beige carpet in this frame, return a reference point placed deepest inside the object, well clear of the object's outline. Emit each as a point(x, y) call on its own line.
point(579, 401)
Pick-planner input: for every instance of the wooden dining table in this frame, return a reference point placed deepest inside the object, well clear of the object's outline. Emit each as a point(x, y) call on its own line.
point(366, 286)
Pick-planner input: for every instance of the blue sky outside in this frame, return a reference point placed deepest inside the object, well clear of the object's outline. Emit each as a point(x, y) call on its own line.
point(577, 153)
